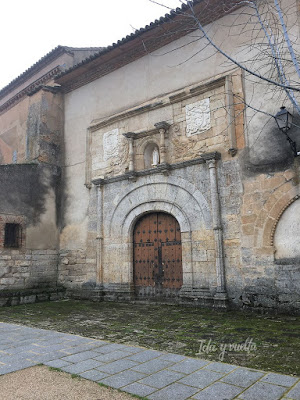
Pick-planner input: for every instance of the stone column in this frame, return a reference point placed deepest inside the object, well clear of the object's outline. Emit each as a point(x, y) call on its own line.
point(162, 146)
point(220, 298)
point(163, 129)
point(100, 234)
point(230, 116)
point(88, 159)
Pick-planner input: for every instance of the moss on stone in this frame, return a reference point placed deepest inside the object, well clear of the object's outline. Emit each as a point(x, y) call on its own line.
point(177, 329)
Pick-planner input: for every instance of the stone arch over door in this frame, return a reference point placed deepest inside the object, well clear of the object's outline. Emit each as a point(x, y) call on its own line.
point(185, 230)
point(157, 256)
point(158, 193)
point(171, 193)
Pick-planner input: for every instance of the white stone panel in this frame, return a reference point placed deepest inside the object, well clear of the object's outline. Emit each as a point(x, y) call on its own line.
point(287, 235)
point(197, 117)
point(110, 144)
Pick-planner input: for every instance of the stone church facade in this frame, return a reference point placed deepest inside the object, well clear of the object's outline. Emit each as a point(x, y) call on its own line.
point(146, 181)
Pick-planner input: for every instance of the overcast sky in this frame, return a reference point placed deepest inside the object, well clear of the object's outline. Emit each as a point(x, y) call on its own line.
point(30, 29)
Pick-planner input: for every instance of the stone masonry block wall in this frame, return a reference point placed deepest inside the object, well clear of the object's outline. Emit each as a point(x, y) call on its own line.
point(26, 198)
point(250, 211)
point(21, 269)
point(267, 282)
point(76, 269)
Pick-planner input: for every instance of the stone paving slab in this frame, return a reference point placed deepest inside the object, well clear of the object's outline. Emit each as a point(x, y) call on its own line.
point(243, 377)
point(161, 379)
point(219, 390)
point(263, 391)
point(189, 365)
point(122, 379)
point(153, 366)
point(143, 372)
point(139, 389)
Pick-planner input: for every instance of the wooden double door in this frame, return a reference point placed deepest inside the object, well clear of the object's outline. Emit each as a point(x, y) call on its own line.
point(157, 255)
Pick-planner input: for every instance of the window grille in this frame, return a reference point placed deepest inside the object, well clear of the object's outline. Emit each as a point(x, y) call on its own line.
point(12, 236)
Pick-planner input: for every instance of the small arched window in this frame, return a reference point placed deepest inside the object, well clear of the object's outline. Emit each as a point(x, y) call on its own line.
point(151, 156)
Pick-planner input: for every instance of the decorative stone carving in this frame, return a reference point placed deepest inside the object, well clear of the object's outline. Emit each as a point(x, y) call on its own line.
point(197, 117)
point(186, 149)
point(113, 159)
point(110, 144)
point(176, 130)
point(119, 161)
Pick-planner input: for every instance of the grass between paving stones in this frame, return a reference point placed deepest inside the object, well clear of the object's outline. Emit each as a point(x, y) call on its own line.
point(273, 341)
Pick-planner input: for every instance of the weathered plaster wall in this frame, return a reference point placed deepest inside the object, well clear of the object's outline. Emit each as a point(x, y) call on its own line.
point(45, 127)
point(255, 186)
point(13, 133)
point(28, 198)
point(24, 190)
point(30, 193)
point(145, 79)
point(65, 61)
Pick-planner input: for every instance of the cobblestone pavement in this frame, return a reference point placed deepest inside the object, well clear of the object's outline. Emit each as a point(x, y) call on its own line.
point(148, 373)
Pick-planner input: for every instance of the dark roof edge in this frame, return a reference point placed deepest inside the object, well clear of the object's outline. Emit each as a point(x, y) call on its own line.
point(41, 63)
point(132, 36)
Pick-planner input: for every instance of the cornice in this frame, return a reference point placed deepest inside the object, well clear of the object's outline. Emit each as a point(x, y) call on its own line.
point(29, 90)
point(215, 155)
point(198, 89)
point(95, 125)
point(44, 61)
point(160, 169)
point(162, 125)
point(167, 100)
point(139, 135)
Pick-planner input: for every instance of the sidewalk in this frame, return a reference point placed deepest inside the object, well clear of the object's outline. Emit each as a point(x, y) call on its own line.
point(149, 373)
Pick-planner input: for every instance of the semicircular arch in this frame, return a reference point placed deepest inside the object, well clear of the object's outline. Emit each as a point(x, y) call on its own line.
point(182, 196)
point(135, 214)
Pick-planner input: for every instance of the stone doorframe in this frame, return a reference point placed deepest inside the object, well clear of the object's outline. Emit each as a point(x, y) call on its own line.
point(146, 198)
point(169, 194)
point(186, 240)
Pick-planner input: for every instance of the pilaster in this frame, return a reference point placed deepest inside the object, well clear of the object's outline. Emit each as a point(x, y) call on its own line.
point(220, 298)
point(99, 277)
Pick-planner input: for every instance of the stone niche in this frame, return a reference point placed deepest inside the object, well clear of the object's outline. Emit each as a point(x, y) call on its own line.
point(151, 155)
point(287, 234)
